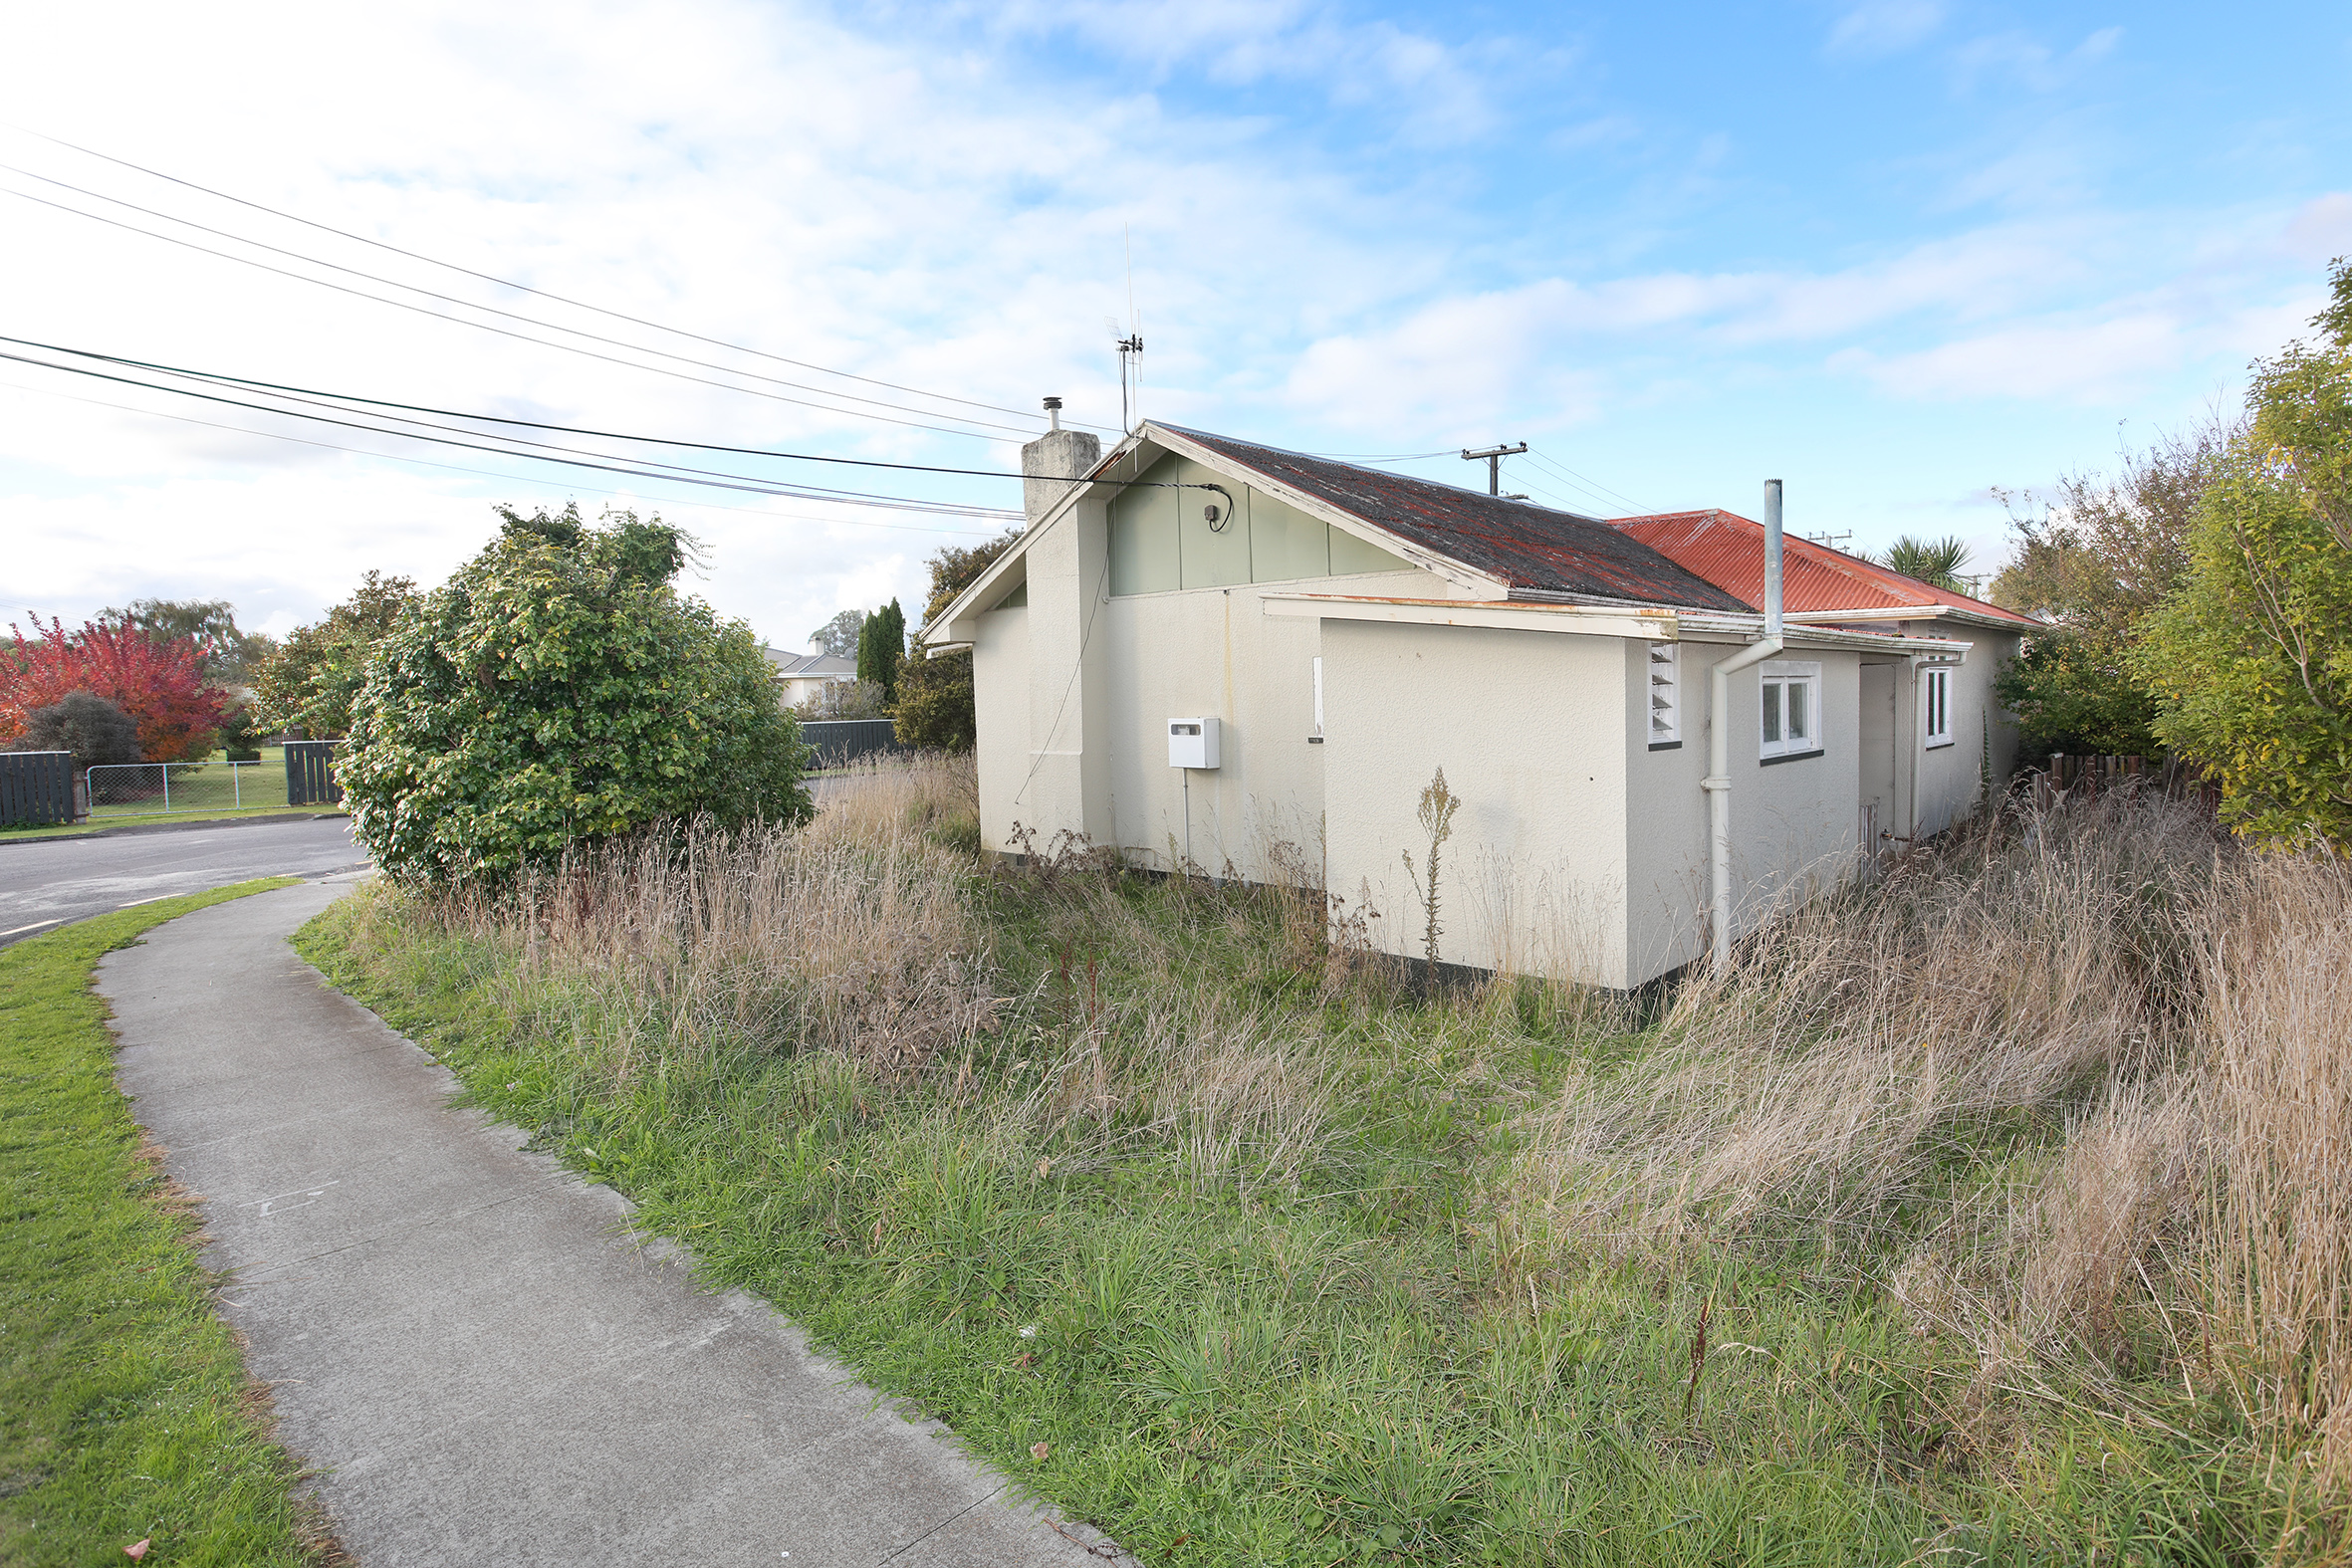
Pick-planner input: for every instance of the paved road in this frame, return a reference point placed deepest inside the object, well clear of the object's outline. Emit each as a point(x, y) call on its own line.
point(47, 881)
point(466, 1342)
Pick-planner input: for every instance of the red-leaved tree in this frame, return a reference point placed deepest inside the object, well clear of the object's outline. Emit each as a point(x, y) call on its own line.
point(160, 684)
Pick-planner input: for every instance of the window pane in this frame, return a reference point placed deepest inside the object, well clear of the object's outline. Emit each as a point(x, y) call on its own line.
point(1772, 713)
point(1799, 726)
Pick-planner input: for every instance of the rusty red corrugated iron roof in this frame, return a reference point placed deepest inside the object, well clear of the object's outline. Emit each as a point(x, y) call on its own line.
point(1727, 551)
point(1528, 547)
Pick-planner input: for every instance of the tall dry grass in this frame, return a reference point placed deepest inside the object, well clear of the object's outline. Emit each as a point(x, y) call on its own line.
point(852, 935)
point(2076, 1088)
point(1827, 1075)
point(2274, 1251)
point(862, 937)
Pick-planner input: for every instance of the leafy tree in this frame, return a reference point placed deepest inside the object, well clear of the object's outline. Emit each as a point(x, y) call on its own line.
point(935, 703)
point(2252, 657)
point(229, 656)
point(556, 690)
point(1934, 561)
point(98, 733)
point(308, 682)
point(881, 648)
point(838, 636)
point(160, 684)
point(2094, 558)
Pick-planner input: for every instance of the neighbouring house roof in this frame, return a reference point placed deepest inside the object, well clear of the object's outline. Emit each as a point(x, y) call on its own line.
point(1727, 551)
point(1534, 550)
point(811, 666)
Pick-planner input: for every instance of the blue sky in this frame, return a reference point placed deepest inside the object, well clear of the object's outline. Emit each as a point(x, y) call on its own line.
point(1899, 253)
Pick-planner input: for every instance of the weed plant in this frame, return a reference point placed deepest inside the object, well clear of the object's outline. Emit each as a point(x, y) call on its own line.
point(1281, 1259)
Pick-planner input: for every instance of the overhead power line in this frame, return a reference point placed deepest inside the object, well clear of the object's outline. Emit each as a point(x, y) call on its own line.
point(523, 287)
point(633, 470)
point(485, 326)
point(455, 468)
point(299, 394)
point(1591, 487)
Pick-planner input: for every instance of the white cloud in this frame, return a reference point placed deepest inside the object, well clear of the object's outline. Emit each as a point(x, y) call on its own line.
point(2029, 62)
point(1884, 26)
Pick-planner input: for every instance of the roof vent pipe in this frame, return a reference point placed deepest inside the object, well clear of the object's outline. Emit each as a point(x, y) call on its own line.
point(1718, 782)
point(1053, 411)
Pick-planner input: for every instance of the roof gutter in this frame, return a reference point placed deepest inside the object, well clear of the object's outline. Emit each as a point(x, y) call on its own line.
point(1718, 782)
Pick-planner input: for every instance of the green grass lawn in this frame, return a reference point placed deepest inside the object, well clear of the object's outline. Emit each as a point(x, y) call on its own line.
point(1241, 1323)
point(126, 1412)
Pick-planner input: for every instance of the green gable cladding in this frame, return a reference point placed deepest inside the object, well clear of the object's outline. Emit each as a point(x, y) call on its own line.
point(1161, 541)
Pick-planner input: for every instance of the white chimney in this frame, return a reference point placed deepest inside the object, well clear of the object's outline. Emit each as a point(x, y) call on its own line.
point(1058, 454)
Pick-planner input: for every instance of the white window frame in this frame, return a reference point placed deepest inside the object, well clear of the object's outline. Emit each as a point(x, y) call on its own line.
point(1662, 695)
point(1774, 708)
point(1935, 695)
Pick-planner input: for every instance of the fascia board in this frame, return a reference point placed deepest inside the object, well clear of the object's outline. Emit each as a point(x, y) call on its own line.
point(1572, 619)
point(981, 591)
point(1706, 626)
point(1951, 612)
point(1346, 522)
point(1000, 569)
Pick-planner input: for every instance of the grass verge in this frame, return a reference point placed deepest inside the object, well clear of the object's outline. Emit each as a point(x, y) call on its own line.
point(126, 1412)
point(1231, 1242)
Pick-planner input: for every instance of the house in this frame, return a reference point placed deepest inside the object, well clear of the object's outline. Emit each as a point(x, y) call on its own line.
point(806, 677)
point(1313, 641)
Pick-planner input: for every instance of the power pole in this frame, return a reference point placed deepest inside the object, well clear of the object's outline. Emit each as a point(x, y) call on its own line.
point(1493, 457)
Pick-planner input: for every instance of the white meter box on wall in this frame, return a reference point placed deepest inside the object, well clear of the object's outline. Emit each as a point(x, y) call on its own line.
point(1192, 742)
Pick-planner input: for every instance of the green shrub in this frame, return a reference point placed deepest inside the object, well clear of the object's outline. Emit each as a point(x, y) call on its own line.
point(2251, 656)
point(556, 691)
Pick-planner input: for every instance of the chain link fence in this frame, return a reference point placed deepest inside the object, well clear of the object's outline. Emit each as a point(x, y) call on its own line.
point(144, 789)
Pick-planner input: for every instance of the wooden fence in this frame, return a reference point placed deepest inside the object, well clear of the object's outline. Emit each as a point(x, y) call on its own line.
point(36, 787)
point(310, 773)
point(840, 742)
point(2058, 779)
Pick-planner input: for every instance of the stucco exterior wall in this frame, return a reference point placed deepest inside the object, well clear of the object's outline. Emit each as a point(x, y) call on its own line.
point(1001, 682)
point(1795, 823)
point(1214, 651)
point(1950, 778)
point(1529, 727)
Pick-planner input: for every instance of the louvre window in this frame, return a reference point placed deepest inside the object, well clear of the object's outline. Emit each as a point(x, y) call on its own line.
point(1665, 695)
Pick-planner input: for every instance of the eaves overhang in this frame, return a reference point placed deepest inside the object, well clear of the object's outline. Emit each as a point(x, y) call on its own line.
point(1960, 614)
point(1596, 620)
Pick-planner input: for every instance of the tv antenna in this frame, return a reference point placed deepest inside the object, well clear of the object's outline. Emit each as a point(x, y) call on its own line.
point(1130, 373)
point(1493, 457)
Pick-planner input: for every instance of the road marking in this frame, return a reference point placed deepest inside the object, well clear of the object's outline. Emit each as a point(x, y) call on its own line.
point(35, 926)
point(134, 903)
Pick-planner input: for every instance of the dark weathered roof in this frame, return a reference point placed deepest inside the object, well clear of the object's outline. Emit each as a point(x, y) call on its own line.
point(1728, 549)
point(1531, 548)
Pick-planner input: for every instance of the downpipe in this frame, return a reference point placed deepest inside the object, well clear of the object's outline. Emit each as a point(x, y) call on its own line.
point(1718, 782)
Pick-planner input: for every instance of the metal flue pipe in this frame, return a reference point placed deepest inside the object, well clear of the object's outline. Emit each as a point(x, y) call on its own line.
point(1718, 782)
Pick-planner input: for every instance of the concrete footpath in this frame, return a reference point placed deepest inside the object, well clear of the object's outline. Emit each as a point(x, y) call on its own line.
point(467, 1341)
